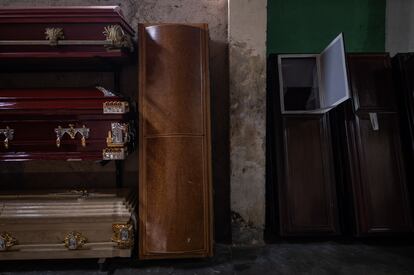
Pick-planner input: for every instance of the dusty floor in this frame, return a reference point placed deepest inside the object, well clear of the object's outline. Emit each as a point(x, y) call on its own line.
point(312, 258)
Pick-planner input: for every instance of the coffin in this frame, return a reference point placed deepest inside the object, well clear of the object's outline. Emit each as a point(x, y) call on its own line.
point(175, 185)
point(64, 32)
point(304, 90)
point(70, 224)
point(63, 124)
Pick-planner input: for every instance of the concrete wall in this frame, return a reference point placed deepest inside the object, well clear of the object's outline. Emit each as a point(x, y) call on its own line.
point(399, 26)
point(247, 48)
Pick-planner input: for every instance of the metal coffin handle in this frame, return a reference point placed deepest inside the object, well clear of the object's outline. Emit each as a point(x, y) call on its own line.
point(8, 135)
point(115, 38)
point(72, 132)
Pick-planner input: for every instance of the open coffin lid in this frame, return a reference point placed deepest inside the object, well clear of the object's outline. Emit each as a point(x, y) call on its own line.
point(313, 83)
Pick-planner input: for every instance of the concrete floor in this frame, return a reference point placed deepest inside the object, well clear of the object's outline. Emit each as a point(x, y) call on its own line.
point(311, 258)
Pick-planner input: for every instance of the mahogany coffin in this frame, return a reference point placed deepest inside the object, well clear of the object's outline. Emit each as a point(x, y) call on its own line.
point(63, 124)
point(67, 224)
point(174, 142)
point(64, 32)
point(378, 176)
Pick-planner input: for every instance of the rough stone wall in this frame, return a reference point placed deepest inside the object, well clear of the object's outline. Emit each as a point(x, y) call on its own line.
point(247, 51)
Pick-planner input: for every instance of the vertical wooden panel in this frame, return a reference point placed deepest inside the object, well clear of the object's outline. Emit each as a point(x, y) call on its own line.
point(307, 193)
point(371, 82)
point(380, 189)
point(174, 145)
point(378, 176)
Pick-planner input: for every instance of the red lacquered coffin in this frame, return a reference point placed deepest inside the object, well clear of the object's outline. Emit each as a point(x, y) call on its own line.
point(63, 124)
point(59, 32)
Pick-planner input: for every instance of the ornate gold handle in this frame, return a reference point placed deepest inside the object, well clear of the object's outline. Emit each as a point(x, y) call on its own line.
point(118, 137)
point(8, 134)
point(74, 240)
point(7, 241)
point(72, 132)
point(123, 235)
point(53, 35)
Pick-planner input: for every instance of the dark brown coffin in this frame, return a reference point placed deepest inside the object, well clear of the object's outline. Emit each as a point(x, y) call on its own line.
point(174, 143)
point(375, 155)
point(304, 90)
point(93, 121)
point(64, 32)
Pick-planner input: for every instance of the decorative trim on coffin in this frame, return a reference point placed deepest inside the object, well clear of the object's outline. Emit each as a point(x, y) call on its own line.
point(123, 235)
point(118, 137)
point(74, 240)
point(114, 153)
point(116, 39)
point(7, 241)
point(8, 134)
point(115, 107)
point(72, 132)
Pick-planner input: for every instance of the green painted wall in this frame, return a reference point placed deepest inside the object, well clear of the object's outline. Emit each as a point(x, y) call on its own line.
point(307, 26)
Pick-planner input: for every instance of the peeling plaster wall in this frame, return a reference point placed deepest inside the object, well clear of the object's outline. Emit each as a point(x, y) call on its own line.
point(247, 51)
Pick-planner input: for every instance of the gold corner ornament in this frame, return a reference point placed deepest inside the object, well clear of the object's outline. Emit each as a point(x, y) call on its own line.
point(74, 240)
point(117, 37)
point(115, 107)
point(7, 241)
point(114, 153)
point(118, 136)
point(123, 235)
point(54, 35)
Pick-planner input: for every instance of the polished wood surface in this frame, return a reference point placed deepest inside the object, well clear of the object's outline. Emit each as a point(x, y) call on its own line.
point(307, 192)
point(174, 142)
point(371, 82)
point(39, 221)
point(378, 177)
point(78, 23)
point(34, 114)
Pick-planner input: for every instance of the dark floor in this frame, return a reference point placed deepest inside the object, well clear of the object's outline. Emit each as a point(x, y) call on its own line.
point(312, 258)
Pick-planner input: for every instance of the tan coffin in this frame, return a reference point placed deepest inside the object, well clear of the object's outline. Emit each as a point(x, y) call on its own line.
point(72, 224)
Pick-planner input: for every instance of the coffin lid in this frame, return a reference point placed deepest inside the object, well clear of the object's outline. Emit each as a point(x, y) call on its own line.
point(55, 98)
point(68, 14)
point(69, 206)
point(332, 77)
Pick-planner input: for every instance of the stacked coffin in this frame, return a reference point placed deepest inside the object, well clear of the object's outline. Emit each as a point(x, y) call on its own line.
point(72, 224)
point(71, 124)
point(63, 124)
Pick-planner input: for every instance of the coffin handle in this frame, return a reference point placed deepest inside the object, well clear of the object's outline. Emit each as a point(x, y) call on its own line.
point(71, 131)
point(7, 241)
point(8, 135)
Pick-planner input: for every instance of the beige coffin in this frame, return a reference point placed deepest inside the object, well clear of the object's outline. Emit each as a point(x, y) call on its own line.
point(72, 224)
